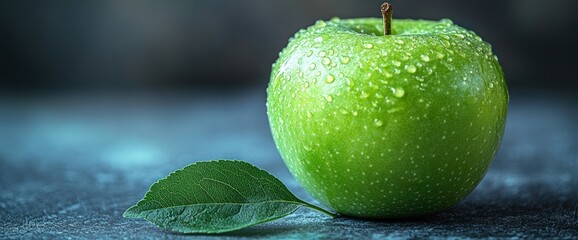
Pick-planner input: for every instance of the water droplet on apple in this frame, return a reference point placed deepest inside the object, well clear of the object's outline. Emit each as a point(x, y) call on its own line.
point(398, 92)
point(330, 79)
point(321, 23)
point(399, 41)
point(364, 94)
point(318, 39)
point(309, 114)
point(309, 53)
point(349, 82)
point(354, 113)
point(491, 85)
point(396, 63)
point(344, 112)
point(326, 61)
point(405, 57)
point(345, 60)
point(387, 74)
point(440, 55)
point(329, 98)
point(425, 58)
point(377, 123)
point(368, 45)
point(331, 52)
point(322, 54)
point(306, 85)
point(460, 36)
point(312, 66)
point(411, 68)
point(446, 22)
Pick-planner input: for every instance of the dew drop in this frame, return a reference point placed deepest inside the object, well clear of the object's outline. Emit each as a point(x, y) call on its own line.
point(440, 55)
point(306, 85)
point(425, 58)
point(321, 23)
point(387, 74)
point(312, 66)
point(309, 53)
point(411, 68)
point(368, 45)
point(398, 92)
point(326, 61)
point(396, 63)
point(318, 39)
point(446, 22)
point(309, 114)
point(399, 41)
point(329, 98)
point(349, 82)
point(491, 85)
point(377, 123)
point(354, 113)
point(322, 54)
point(343, 111)
point(331, 52)
point(364, 94)
point(330, 79)
point(345, 60)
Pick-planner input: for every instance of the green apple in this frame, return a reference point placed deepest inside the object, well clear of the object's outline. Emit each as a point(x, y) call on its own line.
point(387, 125)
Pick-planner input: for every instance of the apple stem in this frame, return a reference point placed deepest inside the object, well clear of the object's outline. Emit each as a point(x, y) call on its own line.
point(386, 12)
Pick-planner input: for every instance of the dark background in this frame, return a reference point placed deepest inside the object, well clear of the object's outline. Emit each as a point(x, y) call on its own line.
point(99, 99)
point(225, 44)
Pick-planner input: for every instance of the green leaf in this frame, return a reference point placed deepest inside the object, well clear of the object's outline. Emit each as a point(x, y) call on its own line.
point(216, 196)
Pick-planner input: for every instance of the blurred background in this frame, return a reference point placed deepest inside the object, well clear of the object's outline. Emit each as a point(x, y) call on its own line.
point(100, 98)
point(230, 45)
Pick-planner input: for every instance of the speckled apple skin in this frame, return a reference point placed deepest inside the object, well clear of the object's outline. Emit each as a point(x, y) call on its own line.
point(387, 126)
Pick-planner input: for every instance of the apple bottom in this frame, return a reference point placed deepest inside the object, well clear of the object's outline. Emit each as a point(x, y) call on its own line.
point(394, 186)
point(401, 169)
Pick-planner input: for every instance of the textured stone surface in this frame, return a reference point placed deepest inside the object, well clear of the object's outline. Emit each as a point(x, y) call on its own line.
point(70, 165)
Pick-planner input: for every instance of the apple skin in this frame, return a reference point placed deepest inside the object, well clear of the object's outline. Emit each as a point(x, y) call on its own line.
point(391, 126)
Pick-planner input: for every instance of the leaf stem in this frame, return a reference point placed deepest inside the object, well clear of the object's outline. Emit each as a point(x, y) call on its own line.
point(311, 206)
point(386, 13)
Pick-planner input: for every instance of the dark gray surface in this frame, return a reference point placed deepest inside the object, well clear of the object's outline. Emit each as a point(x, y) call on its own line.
point(71, 164)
